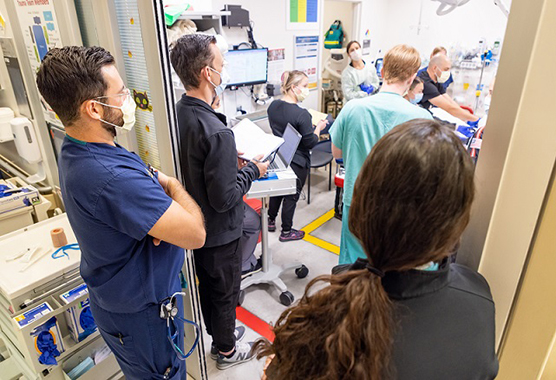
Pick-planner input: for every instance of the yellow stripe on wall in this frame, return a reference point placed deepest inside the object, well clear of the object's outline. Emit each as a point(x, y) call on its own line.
point(302, 11)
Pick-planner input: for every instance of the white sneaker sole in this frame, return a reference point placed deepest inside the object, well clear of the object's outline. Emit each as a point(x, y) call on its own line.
point(215, 356)
point(226, 365)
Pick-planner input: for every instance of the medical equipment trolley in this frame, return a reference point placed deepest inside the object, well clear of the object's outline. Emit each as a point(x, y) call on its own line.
point(35, 341)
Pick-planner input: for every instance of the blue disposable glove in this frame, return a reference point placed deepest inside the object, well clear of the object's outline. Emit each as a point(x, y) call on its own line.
point(48, 349)
point(474, 124)
point(87, 323)
point(45, 343)
point(466, 132)
point(367, 88)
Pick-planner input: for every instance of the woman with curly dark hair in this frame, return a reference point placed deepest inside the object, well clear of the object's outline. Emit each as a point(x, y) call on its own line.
point(405, 312)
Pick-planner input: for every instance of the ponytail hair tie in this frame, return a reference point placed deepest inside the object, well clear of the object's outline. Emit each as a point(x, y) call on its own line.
point(374, 270)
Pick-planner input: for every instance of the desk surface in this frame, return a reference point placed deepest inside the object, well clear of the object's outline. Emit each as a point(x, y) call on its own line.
point(14, 283)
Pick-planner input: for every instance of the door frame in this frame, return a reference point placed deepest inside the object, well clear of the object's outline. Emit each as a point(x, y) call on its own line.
point(355, 34)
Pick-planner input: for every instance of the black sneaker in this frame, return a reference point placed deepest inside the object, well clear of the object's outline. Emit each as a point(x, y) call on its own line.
point(271, 225)
point(239, 333)
point(292, 235)
point(243, 353)
point(254, 269)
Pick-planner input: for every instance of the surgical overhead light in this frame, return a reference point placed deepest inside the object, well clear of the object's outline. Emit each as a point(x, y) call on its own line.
point(447, 6)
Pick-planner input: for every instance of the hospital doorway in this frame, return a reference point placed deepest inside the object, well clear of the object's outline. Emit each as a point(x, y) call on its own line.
point(348, 12)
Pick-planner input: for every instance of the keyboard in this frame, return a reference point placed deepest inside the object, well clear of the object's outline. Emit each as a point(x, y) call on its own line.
point(273, 166)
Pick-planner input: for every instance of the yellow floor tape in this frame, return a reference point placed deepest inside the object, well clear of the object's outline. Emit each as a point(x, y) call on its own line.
point(317, 241)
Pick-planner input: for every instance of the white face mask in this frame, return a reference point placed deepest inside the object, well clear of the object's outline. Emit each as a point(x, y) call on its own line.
point(224, 80)
point(443, 77)
point(356, 55)
point(302, 95)
point(128, 110)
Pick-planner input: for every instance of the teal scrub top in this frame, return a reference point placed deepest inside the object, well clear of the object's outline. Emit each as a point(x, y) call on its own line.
point(362, 122)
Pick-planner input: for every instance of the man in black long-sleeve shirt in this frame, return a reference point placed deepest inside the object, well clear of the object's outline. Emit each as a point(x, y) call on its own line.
point(209, 163)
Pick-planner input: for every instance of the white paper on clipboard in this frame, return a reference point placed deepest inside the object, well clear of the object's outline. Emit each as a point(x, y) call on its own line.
point(253, 141)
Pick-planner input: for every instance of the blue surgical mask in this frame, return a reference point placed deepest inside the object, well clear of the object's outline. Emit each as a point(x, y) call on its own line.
point(417, 98)
point(224, 80)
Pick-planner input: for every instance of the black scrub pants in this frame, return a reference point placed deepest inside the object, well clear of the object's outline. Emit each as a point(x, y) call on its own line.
point(219, 273)
point(288, 202)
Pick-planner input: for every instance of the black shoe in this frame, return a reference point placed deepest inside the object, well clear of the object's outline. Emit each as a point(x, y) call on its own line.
point(254, 269)
point(291, 235)
point(271, 225)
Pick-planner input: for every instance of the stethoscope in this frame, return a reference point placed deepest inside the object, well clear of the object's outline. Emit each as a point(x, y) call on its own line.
point(169, 311)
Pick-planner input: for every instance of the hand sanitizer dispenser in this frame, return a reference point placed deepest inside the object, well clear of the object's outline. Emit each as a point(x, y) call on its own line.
point(26, 140)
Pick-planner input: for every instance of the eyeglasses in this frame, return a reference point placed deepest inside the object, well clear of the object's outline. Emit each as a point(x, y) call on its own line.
point(125, 92)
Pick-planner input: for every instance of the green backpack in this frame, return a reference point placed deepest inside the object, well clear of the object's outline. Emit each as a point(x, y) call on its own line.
point(334, 38)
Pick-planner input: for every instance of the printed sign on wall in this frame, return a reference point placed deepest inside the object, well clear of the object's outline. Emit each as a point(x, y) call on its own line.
point(306, 53)
point(39, 25)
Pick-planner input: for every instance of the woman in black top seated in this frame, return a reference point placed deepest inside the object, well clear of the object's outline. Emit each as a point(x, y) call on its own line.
point(280, 113)
point(405, 312)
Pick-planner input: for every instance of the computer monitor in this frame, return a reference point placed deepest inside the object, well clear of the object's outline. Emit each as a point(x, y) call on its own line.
point(247, 67)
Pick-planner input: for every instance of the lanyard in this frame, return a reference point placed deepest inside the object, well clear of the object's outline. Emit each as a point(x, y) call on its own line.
point(69, 247)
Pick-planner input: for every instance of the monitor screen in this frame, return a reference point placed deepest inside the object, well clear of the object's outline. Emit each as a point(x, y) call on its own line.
point(247, 66)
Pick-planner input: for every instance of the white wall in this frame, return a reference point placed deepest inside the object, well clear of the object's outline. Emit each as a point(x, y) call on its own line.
point(269, 17)
point(392, 22)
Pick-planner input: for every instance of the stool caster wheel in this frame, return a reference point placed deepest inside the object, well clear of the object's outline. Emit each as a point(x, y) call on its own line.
point(302, 272)
point(241, 297)
point(286, 298)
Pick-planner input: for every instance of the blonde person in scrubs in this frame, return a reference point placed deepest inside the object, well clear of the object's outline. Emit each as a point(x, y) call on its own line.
point(359, 79)
point(362, 122)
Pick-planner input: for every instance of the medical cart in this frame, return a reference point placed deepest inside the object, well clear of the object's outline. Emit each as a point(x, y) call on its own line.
point(44, 281)
point(278, 184)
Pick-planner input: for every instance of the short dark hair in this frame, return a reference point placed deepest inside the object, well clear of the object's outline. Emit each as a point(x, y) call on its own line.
point(70, 75)
point(189, 56)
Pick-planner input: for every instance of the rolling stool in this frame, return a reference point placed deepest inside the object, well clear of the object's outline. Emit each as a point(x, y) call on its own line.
point(339, 182)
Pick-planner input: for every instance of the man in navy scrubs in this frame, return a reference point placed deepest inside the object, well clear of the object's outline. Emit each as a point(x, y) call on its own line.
point(131, 223)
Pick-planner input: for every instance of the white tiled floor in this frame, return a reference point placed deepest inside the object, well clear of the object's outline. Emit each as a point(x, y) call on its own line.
point(262, 301)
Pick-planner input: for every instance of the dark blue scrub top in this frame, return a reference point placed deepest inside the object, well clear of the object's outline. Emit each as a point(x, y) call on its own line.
point(112, 202)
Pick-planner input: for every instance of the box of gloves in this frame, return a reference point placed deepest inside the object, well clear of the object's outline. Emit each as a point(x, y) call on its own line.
point(47, 337)
point(13, 197)
point(79, 317)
